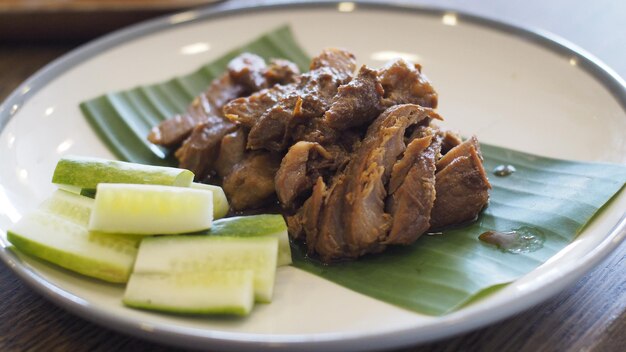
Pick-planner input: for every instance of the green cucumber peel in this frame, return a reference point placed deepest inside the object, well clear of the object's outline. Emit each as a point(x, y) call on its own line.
point(271, 225)
point(87, 173)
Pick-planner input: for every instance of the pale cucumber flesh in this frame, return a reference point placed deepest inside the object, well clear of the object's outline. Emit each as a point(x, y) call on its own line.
point(70, 245)
point(150, 209)
point(271, 225)
point(77, 208)
point(205, 254)
point(87, 173)
point(220, 203)
point(70, 206)
point(215, 292)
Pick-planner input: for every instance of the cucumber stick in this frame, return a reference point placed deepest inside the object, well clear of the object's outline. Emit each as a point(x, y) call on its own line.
point(70, 206)
point(86, 173)
point(77, 208)
point(214, 292)
point(150, 209)
point(70, 245)
point(271, 225)
point(207, 254)
point(220, 203)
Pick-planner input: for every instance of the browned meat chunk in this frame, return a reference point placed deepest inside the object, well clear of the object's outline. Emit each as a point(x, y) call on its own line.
point(246, 111)
point(353, 220)
point(281, 72)
point(461, 187)
point(304, 222)
point(172, 132)
point(231, 151)
point(405, 84)
point(250, 71)
point(462, 149)
point(412, 191)
point(199, 151)
point(356, 103)
point(450, 140)
point(250, 184)
point(293, 177)
point(204, 125)
point(342, 62)
point(247, 70)
point(273, 113)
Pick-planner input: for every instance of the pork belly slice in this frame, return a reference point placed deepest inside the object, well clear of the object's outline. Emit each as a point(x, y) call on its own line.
point(412, 190)
point(404, 83)
point(250, 183)
point(461, 186)
point(352, 220)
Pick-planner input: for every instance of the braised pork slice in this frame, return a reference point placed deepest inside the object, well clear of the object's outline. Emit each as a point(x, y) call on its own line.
point(304, 223)
point(250, 183)
point(204, 108)
point(449, 141)
point(461, 186)
point(353, 220)
point(357, 102)
point(462, 149)
point(412, 190)
point(404, 83)
point(245, 111)
point(271, 114)
point(281, 71)
point(251, 72)
point(294, 177)
point(200, 150)
point(231, 151)
point(203, 126)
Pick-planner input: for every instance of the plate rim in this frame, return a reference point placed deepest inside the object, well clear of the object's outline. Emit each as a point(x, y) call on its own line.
point(166, 333)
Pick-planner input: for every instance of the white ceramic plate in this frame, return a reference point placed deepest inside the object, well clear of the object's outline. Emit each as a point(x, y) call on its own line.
point(511, 87)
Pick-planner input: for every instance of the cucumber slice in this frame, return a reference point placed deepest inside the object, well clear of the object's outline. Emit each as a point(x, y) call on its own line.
point(70, 245)
point(220, 203)
point(77, 208)
point(69, 206)
point(215, 292)
point(86, 173)
point(150, 209)
point(272, 225)
point(207, 254)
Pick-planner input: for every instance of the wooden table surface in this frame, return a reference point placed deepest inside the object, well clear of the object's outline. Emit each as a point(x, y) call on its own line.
point(590, 316)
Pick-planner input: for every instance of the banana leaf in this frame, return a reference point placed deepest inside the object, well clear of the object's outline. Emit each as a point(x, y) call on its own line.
point(552, 200)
